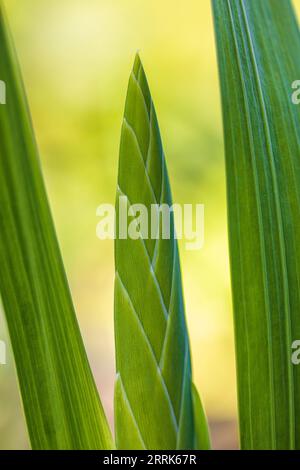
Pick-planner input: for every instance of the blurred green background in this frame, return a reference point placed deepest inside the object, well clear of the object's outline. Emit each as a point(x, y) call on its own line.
point(76, 58)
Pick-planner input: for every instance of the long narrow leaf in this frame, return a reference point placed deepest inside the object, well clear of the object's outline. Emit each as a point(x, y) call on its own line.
point(153, 397)
point(61, 403)
point(259, 59)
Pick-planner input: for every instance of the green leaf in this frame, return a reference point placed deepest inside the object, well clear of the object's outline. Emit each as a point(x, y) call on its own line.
point(201, 435)
point(153, 397)
point(259, 58)
point(61, 403)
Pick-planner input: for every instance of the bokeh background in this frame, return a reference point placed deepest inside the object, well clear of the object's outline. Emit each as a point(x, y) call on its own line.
point(76, 57)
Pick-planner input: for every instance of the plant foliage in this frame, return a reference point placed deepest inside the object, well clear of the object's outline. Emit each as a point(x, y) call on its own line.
point(153, 396)
point(259, 58)
point(61, 403)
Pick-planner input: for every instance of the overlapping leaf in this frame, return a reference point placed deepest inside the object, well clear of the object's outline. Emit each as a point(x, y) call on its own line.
point(259, 59)
point(153, 396)
point(61, 403)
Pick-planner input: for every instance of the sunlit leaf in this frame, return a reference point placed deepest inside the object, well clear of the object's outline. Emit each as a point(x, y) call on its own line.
point(201, 433)
point(259, 59)
point(61, 403)
point(153, 397)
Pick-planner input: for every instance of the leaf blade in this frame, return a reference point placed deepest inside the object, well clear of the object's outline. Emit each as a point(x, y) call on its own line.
point(61, 403)
point(152, 350)
point(202, 436)
point(261, 128)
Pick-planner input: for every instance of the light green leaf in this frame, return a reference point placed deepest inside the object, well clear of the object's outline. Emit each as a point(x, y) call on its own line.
point(153, 398)
point(61, 403)
point(259, 59)
point(201, 435)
